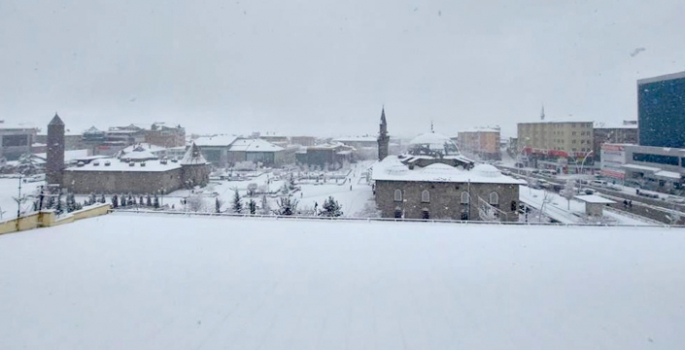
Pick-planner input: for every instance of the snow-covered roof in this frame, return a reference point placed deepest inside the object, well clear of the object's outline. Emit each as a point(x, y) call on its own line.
point(668, 174)
point(139, 155)
point(17, 125)
point(594, 199)
point(254, 145)
point(215, 141)
point(70, 155)
point(482, 129)
point(248, 283)
point(356, 139)
point(391, 169)
point(93, 131)
point(435, 142)
point(610, 125)
point(143, 146)
point(640, 167)
point(118, 165)
point(193, 156)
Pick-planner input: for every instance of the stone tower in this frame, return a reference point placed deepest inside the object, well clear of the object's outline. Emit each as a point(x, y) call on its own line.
point(55, 158)
point(194, 168)
point(383, 138)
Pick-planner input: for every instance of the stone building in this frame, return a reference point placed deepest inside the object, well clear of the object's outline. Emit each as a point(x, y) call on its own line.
point(134, 173)
point(111, 175)
point(441, 191)
point(434, 181)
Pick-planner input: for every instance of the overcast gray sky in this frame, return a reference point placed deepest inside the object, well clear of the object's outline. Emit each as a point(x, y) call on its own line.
point(326, 67)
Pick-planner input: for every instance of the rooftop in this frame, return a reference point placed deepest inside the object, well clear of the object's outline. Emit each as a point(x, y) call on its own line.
point(391, 169)
point(679, 75)
point(254, 145)
point(126, 281)
point(215, 141)
point(594, 199)
point(118, 165)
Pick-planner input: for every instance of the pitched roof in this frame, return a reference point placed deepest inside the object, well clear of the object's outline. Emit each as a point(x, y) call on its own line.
point(56, 120)
point(193, 156)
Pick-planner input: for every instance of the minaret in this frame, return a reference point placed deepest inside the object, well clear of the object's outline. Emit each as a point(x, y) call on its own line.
point(54, 164)
point(383, 138)
point(542, 113)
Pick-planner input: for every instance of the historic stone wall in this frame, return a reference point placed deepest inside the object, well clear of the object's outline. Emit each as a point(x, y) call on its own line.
point(118, 182)
point(445, 199)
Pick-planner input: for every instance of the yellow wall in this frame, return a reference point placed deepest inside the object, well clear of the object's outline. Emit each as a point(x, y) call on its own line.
point(47, 218)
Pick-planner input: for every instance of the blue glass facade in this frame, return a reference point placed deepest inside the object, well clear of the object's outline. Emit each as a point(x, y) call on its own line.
point(661, 111)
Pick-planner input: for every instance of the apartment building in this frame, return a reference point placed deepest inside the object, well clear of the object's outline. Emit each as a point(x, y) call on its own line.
point(553, 144)
point(481, 142)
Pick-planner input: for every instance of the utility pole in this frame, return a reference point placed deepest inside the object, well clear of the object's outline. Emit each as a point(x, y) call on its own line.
point(19, 199)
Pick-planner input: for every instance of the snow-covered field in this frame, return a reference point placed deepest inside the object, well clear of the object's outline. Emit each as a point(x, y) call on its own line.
point(127, 281)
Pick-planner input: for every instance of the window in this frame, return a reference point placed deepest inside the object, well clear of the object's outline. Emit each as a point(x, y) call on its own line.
point(573, 141)
point(398, 213)
point(425, 214)
point(514, 206)
point(398, 195)
point(425, 196)
point(573, 133)
point(655, 158)
point(493, 199)
point(464, 198)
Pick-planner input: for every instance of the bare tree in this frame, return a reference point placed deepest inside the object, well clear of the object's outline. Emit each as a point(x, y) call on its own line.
point(568, 192)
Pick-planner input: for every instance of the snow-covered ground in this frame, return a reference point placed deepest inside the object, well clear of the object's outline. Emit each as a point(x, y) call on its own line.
point(354, 201)
point(9, 189)
point(557, 207)
point(127, 281)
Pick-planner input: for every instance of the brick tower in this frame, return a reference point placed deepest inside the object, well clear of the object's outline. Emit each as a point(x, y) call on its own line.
point(55, 157)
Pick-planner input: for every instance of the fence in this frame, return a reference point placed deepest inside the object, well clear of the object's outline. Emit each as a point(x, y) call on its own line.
point(323, 218)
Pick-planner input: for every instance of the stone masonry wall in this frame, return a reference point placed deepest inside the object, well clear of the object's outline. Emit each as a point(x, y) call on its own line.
point(445, 199)
point(136, 182)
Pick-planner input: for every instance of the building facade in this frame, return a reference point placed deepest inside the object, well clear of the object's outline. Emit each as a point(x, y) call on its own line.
point(655, 168)
point(626, 133)
point(481, 142)
point(661, 111)
point(164, 136)
point(441, 191)
point(16, 141)
point(556, 145)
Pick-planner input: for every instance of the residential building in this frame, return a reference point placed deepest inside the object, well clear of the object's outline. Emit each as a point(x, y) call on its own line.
point(303, 140)
point(278, 140)
point(626, 133)
point(16, 140)
point(162, 135)
point(661, 111)
point(483, 143)
point(560, 146)
point(326, 156)
point(365, 147)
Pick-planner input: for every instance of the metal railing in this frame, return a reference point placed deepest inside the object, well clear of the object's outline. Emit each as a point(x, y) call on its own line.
point(324, 218)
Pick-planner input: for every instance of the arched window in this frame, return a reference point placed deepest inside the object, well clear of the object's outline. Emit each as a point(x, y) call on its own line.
point(425, 196)
point(494, 199)
point(464, 198)
point(398, 195)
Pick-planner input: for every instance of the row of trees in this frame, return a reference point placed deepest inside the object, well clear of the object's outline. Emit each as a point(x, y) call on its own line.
point(287, 205)
point(130, 200)
point(62, 203)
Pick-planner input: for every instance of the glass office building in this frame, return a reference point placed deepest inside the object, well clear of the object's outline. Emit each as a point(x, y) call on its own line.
point(661, 111)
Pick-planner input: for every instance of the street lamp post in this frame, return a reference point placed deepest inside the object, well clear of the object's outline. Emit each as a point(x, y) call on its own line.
point(582, 164)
